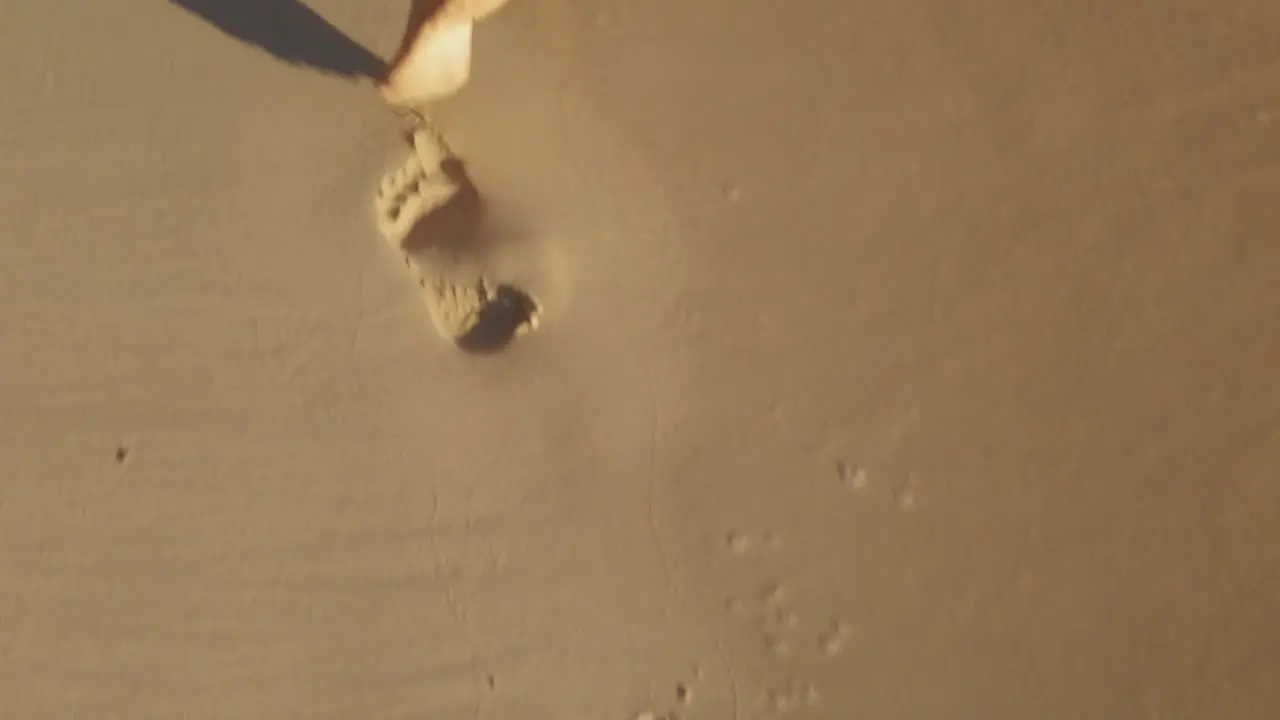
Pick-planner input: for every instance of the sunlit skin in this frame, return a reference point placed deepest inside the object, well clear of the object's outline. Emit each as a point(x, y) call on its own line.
point(433, 60)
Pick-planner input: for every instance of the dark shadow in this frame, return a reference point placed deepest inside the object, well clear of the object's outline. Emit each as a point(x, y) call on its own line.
point(509, 308)
point(459, 228)
point(292, 32)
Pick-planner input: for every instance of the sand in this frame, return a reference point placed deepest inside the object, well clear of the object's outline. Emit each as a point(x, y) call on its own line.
point(910, 361)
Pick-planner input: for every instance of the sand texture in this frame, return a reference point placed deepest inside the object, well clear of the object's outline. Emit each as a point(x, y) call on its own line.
point(899, 360)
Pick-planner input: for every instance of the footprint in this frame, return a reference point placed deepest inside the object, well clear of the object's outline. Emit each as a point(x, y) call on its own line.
point(835, 638)
point(853, 477)
point(906, 499)
point(429, 211)
point(651, 715)
point(736, 607)
point(738, 543)
point(905, 495)
point(775, 594)
point(778, 646)
point(784, 620)
point(793, 696)
point(741, 543)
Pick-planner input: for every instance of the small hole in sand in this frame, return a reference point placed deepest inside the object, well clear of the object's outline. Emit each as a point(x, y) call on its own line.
point(508, 312)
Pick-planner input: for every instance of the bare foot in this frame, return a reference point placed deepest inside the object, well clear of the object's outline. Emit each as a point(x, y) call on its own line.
point(434, 58)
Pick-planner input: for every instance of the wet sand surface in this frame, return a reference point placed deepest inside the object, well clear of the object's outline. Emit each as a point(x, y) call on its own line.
point(896, 362)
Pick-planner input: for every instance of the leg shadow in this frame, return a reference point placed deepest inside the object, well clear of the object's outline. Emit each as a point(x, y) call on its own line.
point(292, 32)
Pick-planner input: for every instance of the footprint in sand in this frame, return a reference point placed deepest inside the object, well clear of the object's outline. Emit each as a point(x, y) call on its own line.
point(428, 210)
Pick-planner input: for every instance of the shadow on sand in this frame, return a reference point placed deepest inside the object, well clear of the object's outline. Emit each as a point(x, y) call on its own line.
point(292, 32)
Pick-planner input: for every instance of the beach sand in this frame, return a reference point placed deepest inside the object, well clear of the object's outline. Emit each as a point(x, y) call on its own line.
point(896, 361)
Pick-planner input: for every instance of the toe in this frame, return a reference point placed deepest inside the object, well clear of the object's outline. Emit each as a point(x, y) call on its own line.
point(386, 191)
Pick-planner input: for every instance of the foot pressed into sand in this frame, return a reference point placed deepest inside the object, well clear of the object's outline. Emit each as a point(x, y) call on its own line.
point(464, 306)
